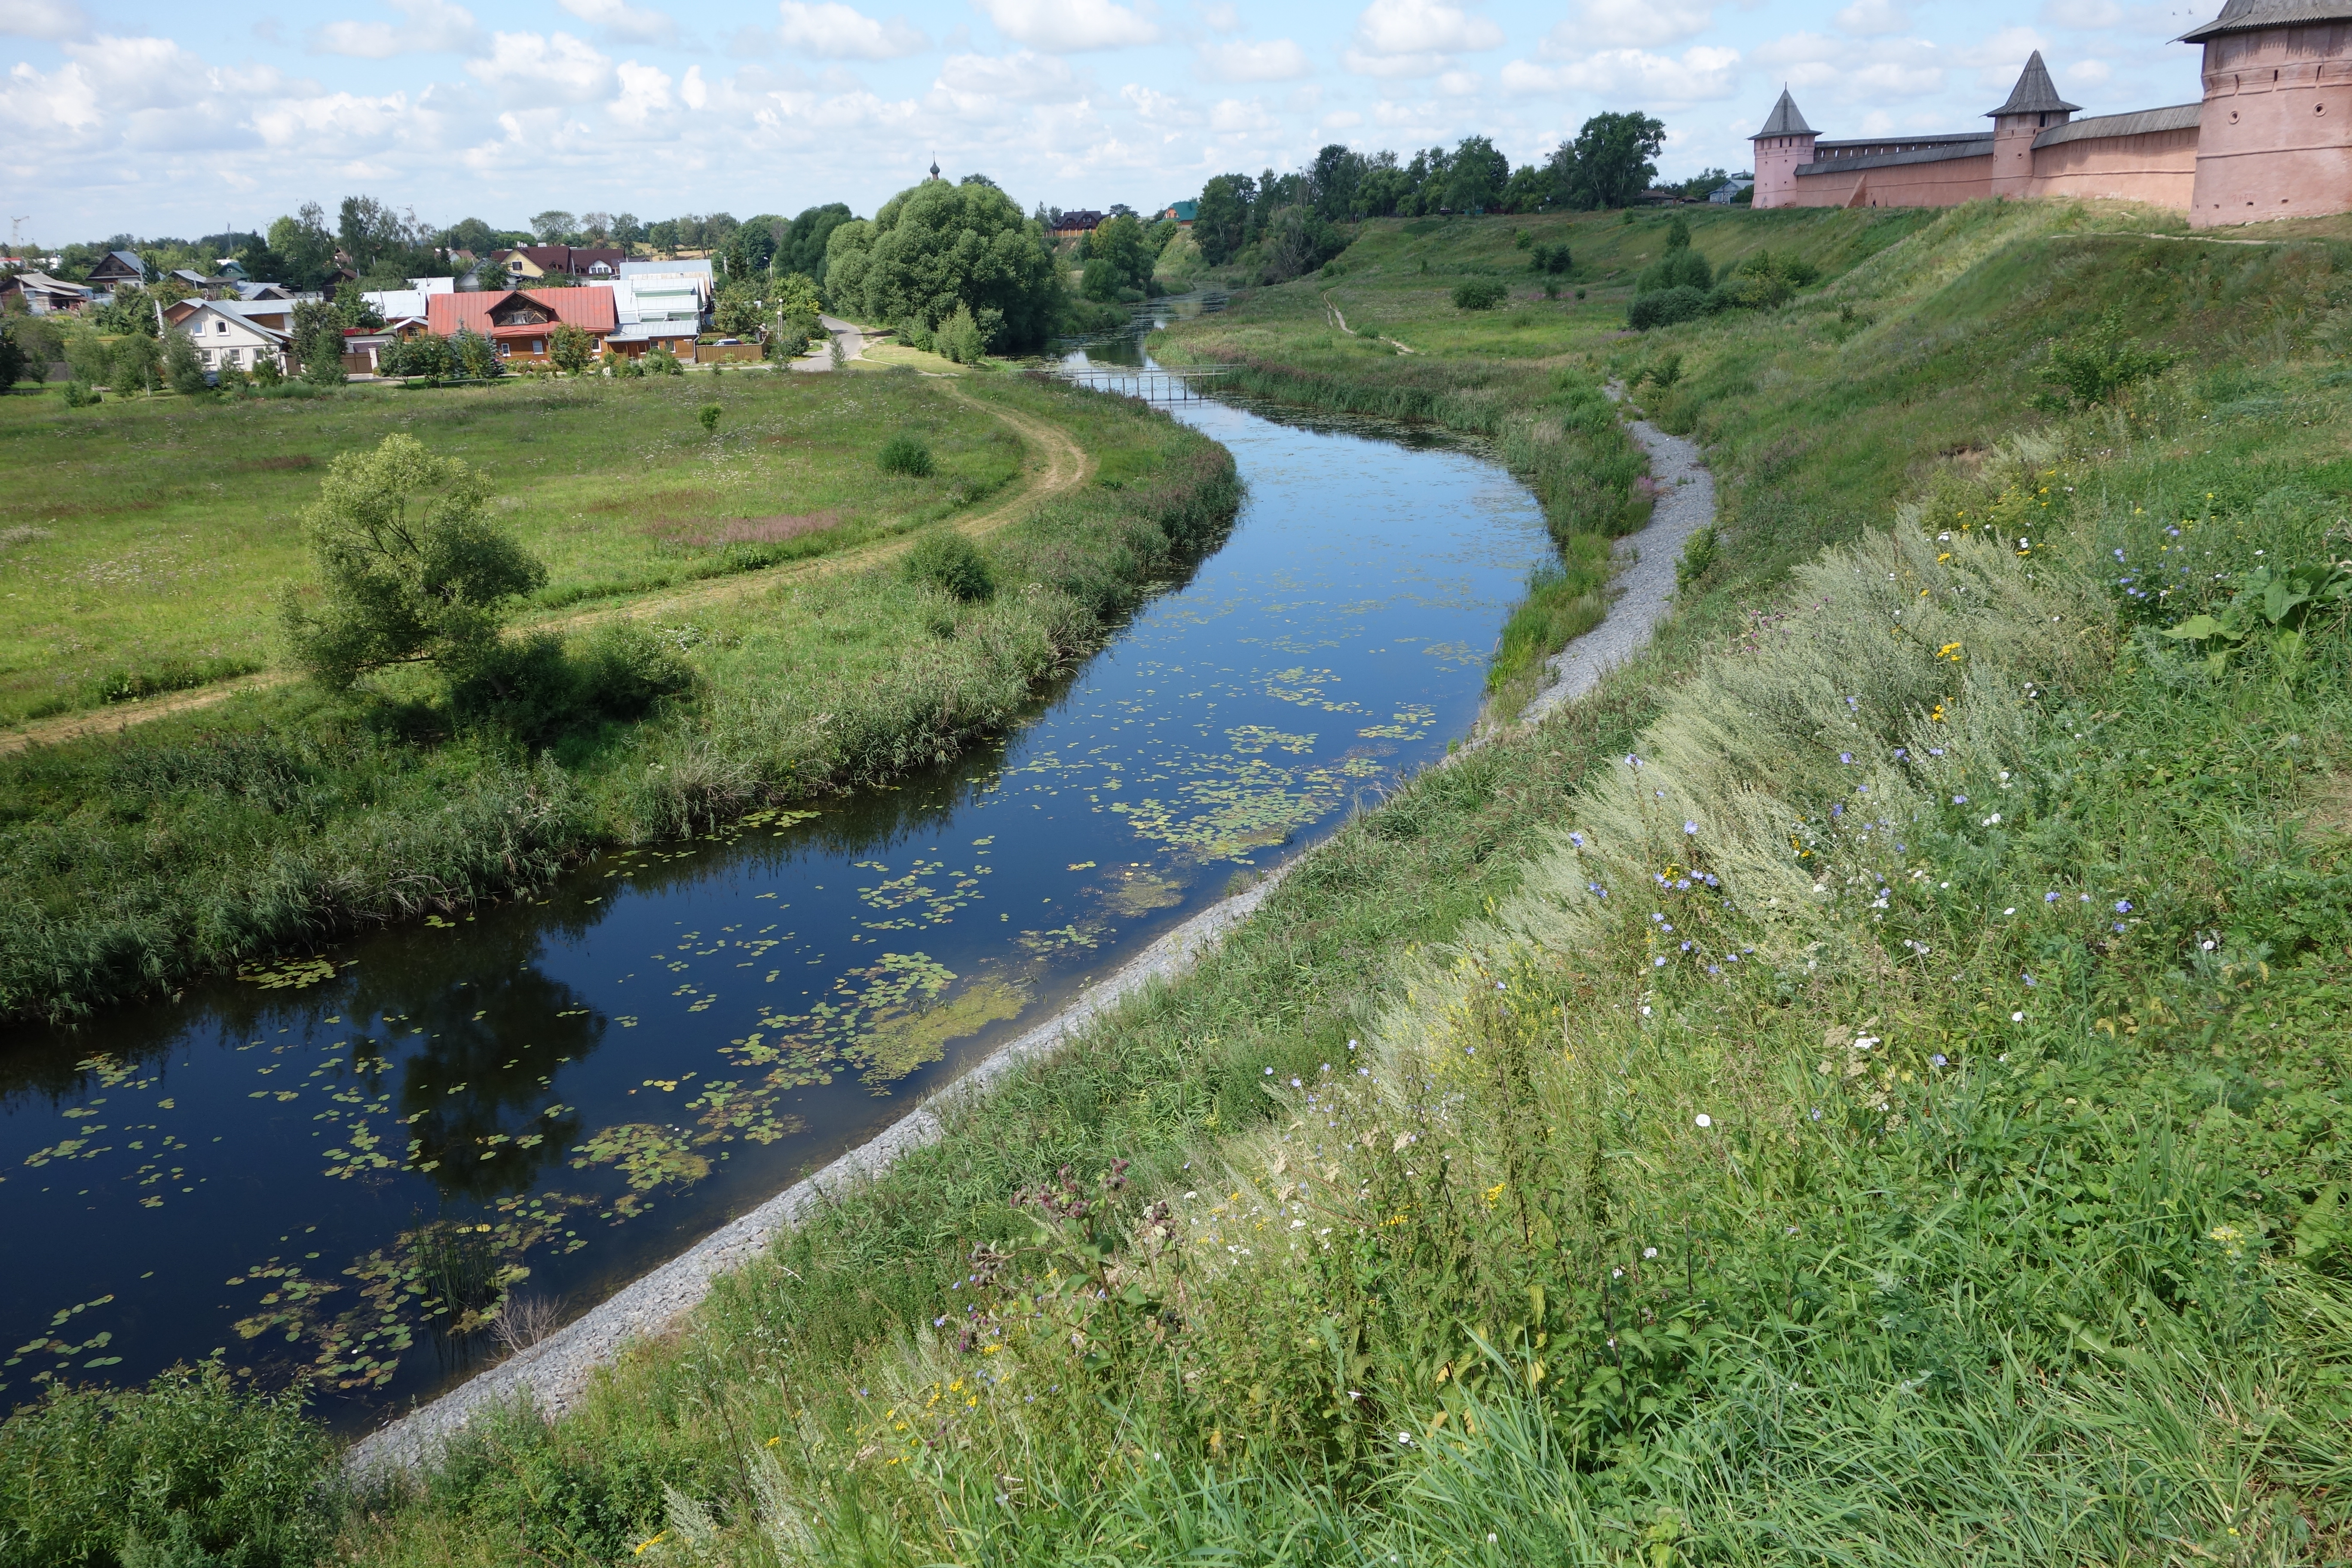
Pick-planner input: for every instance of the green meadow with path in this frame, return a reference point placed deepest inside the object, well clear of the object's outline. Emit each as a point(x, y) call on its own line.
point(1868, 1083)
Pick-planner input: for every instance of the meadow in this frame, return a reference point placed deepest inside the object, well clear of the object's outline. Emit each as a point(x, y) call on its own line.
point(1866, 1085)
point(206, 840)
point(144, 541)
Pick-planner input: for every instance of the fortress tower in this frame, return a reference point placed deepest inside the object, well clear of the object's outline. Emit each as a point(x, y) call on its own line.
point(2274, 137)
point(2032, 108)
point(1784, 145)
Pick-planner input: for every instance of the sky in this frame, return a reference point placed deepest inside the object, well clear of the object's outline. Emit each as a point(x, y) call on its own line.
point(135, 116)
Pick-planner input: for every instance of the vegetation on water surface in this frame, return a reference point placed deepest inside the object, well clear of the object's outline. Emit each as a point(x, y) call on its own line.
point(202, 843)
point(1867, 1083)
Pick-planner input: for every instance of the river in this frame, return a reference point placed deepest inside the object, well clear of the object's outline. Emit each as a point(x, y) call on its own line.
point(341, 1169)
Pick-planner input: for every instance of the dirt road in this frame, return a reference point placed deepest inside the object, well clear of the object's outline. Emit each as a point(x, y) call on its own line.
point(1056, 465)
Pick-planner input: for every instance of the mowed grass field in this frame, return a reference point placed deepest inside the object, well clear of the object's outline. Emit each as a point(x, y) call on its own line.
point(141, 537)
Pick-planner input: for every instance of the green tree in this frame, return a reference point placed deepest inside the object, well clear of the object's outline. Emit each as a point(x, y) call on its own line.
point(428, 357)
point(137, 362)
point(736, 310)
point(571, 348)
point(1479, 175)
point(1221, 222)
point(552, 225)
point(305, 247)
point(936, 246)
point(1614, 159)
point(958, 337)
point(184, 367)
point(410, 568)
point(470, 234)
point(477, 357)
point(13, 360)
point(318, 343)
point(1120, 242)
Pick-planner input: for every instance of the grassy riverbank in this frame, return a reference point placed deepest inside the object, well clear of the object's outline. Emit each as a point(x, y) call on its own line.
point(206, 840)
point(1866, 1084)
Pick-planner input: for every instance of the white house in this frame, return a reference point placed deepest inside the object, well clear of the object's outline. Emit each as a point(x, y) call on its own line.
point(236, 335)
point(663, 291)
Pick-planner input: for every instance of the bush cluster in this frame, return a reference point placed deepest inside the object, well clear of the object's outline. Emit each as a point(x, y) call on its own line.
point(1480, 293)
point(904, 455)
point(954, 564)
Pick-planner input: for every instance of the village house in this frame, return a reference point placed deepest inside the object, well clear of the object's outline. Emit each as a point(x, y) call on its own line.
point(232, 335)
point(117, 267)
point(44, 295)
point(1069, 225)
point(561, 260)
point(2271, 138)
point(1181, 213)
point(522, 323)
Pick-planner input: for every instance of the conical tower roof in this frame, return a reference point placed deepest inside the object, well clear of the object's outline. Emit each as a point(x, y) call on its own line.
point(2246, 15)
point(2034, 93)
point(1784, 120)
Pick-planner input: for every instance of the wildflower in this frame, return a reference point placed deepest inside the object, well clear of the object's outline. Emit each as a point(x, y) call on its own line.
point(2017, 1017)
point(2010, 911)
point(1937, 1060)
point(1657, 963)
point(1847, 758)
point(1649, 1252)
point(1294, 1083)
point(1690, 827)
point(1616, 1274)
point(1632, 760)
point(2027, 978)
point(2050, 897)
point(1577, 839)
point(1959, 800)
point(2123, 906)
point(1702, 1120)
point(1992, 821)
point(1269, 1072)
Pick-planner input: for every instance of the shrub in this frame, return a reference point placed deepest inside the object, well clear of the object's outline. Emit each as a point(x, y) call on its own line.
point(2099, 362)
point(1678, 234)
point(954, 565)
point(1479, 294)
point(538, 687)
point(186, 1467)
point(1681, 268)
point(904, 455)
point(660, 360)
point(569, 348)
point(184, 367)
point(1698, 554)
point(708, 414)
point(1665, 307)
point(1550, 259)
point(80, 393)
point(1762, 281)
point(958, 337)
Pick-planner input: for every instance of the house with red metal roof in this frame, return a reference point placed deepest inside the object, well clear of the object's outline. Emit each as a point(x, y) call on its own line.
point(521, 321)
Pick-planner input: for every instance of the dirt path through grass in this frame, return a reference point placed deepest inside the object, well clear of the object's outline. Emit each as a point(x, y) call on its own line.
point(1067, 465)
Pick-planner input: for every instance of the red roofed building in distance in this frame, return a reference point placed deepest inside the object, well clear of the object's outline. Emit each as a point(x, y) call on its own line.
point(521, 321)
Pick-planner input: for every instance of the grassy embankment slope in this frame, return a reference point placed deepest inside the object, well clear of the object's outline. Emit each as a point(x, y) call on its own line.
point(1962, 1178)
point(761, 554)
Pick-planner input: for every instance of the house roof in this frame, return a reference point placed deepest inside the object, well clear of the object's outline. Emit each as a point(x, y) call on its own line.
point(572, 259)
point(1784, 119)
point(697, 268)
point(2247, 15)
point(44, 283)
point(234, 312)
point(590, 310)
point(1182, 211)
point(2034, 93)
point(124, 257)
point(2179, 117)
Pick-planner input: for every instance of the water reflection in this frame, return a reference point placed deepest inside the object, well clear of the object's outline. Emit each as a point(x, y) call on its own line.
point(342, 1169)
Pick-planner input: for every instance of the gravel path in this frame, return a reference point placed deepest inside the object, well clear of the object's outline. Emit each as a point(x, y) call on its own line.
point(552, 1374)
point(820, 355)
point(1646, 588)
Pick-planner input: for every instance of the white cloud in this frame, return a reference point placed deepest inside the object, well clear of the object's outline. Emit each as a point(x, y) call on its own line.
point(1158, 109)
point(1999, 57)
point(533, 67)
point(1276, 60)
point(1067, 26)
point(1235, 116)
point(622, 22)
point(2090, 73)
point(1423, 27)
point(983, 85)
point(340, 121)
point(1222, 18)
point(1848, 69)
point(433, 27)
point(1638, 23)
point(644, 92)
point(42, 19)
point(1703, 72)
point(1460, 84)
point(1873, 18)
point(833, 31)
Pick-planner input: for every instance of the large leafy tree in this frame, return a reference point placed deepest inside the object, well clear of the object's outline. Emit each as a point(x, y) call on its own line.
point(1616, 159)
point(1221, 222)
point(411, 569)
point(937, 245)
point(1477, 177)
point(304, 248)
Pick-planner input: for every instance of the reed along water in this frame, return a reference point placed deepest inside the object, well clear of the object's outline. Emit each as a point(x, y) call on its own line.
point(339, 1169)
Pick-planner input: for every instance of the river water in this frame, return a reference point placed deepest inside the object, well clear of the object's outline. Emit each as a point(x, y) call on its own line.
point(341, 1169)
